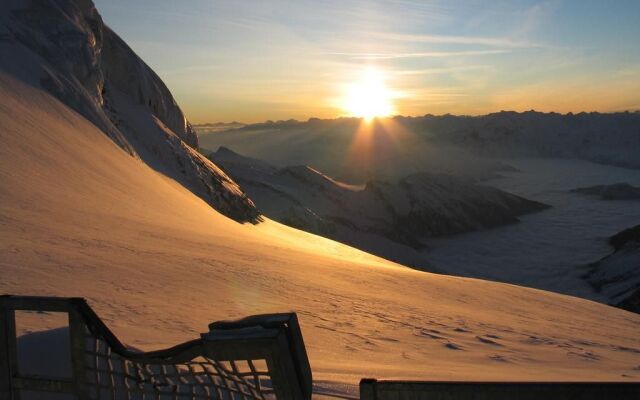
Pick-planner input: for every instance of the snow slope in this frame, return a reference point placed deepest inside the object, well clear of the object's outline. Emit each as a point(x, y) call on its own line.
point(64, 47)
point(79, 216)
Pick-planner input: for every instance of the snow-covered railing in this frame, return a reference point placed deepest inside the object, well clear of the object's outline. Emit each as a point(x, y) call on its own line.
point(372, 389)
point(259, 357)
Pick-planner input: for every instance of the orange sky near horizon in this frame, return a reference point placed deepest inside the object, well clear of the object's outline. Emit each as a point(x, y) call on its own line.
point(253, 61)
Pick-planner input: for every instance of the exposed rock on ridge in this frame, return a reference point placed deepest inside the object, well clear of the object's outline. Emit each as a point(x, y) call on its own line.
point(618, 274)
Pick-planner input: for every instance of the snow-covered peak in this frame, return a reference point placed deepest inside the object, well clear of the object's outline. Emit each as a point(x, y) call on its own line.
point(64, 47)
point(129, 74)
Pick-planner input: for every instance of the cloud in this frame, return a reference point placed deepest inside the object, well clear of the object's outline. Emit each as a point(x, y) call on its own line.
point(466, 40)
point(534, 17)
point(442, 70)
point(427, 54)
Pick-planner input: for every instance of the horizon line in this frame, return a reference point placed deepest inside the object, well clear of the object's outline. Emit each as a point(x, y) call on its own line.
point(269, 121)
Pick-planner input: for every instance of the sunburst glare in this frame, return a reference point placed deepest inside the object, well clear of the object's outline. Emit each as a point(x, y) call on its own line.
point(369, 97)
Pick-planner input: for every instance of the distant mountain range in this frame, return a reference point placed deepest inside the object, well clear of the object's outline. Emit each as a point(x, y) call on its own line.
point(350, 150)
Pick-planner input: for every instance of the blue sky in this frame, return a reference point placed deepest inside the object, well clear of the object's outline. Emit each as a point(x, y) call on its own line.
point(257, 60)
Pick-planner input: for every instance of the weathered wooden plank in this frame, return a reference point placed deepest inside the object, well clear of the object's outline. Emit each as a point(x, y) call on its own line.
point(370, 389)
point(51, 304)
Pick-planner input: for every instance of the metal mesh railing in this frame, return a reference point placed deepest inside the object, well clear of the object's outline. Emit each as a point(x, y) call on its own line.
point(110, 376)
point(258, 357)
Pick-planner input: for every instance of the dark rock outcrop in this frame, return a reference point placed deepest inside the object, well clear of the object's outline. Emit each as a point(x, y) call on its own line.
point(618, 274)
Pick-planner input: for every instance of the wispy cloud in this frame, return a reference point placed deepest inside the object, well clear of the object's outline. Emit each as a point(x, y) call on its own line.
point(533, 17)
point(435, 92)
point(427, 54)
point(441, 70)
point(463, 40)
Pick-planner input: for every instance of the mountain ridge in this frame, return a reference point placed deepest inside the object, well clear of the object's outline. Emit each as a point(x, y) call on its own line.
point(407, 211)
point(429, 142)
point(64, 47)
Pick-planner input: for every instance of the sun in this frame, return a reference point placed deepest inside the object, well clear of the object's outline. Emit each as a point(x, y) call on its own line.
point(368, 97)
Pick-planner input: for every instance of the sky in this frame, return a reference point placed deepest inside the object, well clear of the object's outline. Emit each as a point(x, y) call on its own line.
point(252, 61)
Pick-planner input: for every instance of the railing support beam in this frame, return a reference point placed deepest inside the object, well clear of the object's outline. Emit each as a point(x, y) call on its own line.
point(371, 389)
point(8, 352)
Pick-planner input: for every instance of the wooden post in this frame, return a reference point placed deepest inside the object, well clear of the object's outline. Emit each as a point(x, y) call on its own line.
point(367, 389)
point(8, 352)
point(5, 365)
point(283, 372)
point(298, 351)
point(78, 357)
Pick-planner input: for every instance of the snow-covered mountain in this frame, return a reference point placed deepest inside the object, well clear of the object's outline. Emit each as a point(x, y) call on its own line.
point(618, 275)
point(404, 212)
point(81, 217)
point(353, 151)
point(64, 47)
point(603, 138)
